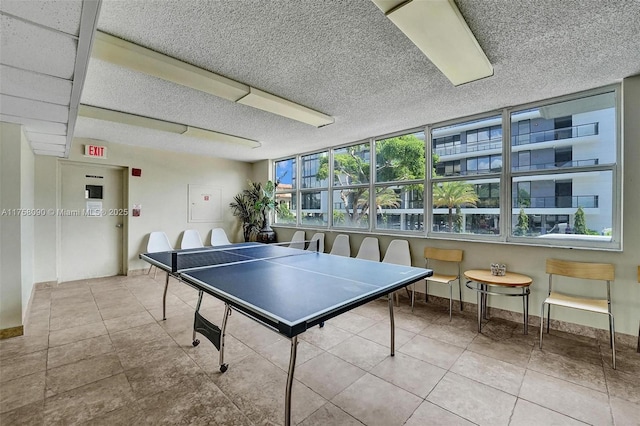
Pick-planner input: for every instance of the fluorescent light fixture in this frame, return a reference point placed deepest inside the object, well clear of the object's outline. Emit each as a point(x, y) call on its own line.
point(438, 29)
point(130, 119)
point(268, 102)
point(129, 55)
point(164, 126)
point(196, 132)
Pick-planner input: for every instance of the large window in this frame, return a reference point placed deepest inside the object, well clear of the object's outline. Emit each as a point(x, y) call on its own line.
point(470, 205)
point(563, 160)
point(351, 171)
point(399, 182)
point(286, 194)
point(544, 173)
point(314, 204)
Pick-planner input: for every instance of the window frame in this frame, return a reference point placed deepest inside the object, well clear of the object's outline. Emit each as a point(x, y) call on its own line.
point(302, 191)
point(505, 178)
point(332, 188)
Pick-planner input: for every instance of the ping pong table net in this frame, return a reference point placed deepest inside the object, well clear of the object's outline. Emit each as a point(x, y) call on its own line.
point(197, 259)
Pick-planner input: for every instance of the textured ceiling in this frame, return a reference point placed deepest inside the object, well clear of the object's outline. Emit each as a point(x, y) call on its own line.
point(347, 60)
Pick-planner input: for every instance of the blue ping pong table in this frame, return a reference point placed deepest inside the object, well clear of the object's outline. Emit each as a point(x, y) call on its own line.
point(285, 289)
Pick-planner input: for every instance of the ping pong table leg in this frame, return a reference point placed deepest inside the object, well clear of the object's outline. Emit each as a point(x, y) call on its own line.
point(393, 328)
point(164, 298)
point(227, 312)
point(196, 342)
point(292, 365)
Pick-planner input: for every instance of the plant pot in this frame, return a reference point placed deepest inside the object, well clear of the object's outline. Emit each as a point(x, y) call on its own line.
point(266, 235)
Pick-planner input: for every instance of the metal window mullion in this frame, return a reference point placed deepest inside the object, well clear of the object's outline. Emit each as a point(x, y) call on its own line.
point(428, 182)
point(373, 179)
point(298, 192)
point(617, 180)
point(330, 186)
point(505, 177)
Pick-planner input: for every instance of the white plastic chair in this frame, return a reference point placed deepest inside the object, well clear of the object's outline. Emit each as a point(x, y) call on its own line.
point(398, 253)
point(297, 241)
point(341, 246)
point(158, 241)
point(191, 239)
point(369, 249)
point(319, 245)
point(219, 237)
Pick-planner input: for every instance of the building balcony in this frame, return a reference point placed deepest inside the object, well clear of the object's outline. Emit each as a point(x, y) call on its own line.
point(557, 165)
point(568, 201)
point(589, 129)
point(491, 144)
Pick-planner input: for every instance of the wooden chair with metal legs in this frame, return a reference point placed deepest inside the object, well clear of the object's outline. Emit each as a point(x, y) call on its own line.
point(603, 272)
point(440, 256)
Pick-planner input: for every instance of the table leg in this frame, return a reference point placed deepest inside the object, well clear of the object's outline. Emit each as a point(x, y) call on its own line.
point(393, 328)
point(194, 322)
point(485, 287)
point(164, 298)
point(525, 308)
point(479, 293)
point(292, 365)
point(227, 312)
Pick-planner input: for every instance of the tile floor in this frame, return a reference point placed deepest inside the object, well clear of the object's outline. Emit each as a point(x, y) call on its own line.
point(96, 352)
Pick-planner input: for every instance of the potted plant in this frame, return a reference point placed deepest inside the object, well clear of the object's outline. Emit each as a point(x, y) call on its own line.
point(253, 207)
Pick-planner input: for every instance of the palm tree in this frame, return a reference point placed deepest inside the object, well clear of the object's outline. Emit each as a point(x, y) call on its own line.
point(252, 207)
point(453, 195)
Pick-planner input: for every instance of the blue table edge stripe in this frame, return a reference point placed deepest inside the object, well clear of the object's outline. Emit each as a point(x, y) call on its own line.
point(288, 328)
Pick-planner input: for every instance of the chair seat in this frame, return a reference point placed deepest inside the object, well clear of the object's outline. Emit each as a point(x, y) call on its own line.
point(439, 278)
point(586, 304)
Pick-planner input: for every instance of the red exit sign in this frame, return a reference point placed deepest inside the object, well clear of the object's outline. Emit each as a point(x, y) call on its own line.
point(95, 151)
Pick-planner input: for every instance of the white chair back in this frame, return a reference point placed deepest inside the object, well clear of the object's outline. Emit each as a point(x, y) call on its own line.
point(191, 239)
point(297, 241)
point(219, 237)
point(341, 246)
point(369, 249)
point(398, 253)
point(158, 241)
point(319, 246)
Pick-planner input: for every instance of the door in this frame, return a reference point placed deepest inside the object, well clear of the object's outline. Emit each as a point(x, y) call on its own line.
point(91, 221)
point(564, 194)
